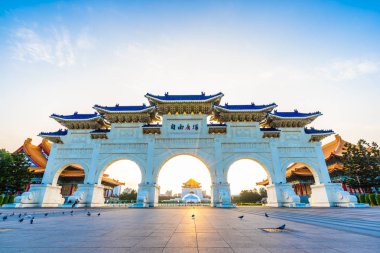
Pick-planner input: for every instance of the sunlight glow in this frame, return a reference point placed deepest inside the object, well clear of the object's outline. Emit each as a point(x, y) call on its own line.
point(125, 171)
point(244, 174)
point(181, 168)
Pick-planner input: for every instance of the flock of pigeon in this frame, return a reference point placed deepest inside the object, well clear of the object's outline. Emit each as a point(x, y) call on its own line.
point(282, 227)
point(25, 216)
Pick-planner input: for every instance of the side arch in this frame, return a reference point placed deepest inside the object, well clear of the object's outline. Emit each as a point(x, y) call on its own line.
point(54, 170)
point(105, 163)
point(309, 163)
point(265, 163)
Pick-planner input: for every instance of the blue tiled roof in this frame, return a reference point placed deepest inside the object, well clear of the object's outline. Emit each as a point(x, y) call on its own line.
point(118, 108)
point(316, 131)
point(76, 116)
point(246, 107)
point(217, 125)
point(294, 114)
point(152, 125)
point(100, 131)
point(269, 129)
point(60, 132)
point(168, 97)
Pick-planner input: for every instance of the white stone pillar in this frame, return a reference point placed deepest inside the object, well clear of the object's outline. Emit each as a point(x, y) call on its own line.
point(147, 195)
point(221, 195)
point(329, 195)
point(87, 195)
point(282, 195)
point(40, 195)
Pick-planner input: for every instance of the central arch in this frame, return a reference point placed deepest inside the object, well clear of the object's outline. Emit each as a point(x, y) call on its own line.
point(181, 168)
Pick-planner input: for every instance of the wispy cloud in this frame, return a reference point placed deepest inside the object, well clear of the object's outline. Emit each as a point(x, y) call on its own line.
point(341, 70)
point(57, 47)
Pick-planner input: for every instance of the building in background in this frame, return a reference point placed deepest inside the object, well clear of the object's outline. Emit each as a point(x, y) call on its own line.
point(302, 178)
point(70, 177)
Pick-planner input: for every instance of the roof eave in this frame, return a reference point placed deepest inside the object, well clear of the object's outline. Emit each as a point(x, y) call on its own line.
point(217, 96)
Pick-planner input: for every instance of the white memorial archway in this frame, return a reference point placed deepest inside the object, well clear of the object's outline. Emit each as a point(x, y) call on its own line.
point(171, 125)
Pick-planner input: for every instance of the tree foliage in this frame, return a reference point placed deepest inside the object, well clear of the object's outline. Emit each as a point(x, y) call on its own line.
point(128, 196)
point(251, 196)
point(14, 172)
point(362, 164)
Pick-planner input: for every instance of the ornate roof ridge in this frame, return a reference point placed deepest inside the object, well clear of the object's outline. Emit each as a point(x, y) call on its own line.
point(100, 131)
point(294, 114)
point(269, 129)
point(191, 97)
point(77, 116)
point(124, 108)
point(60, 132)
point(246, 107)
point(312, 130)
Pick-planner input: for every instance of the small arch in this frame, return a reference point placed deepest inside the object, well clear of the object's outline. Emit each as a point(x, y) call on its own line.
point(264, 163)
point(61, 167)
point(302, 175)
point(300, 162)
point(68, 177)
point(114, 159)
point(241, 174)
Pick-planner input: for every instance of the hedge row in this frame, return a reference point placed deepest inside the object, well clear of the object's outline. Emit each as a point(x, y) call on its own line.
point(7, 199)
point(370, 198)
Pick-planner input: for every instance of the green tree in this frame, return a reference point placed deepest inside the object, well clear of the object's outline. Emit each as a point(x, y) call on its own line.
point(263, 192)
point(14, 172)
point(128, 196)
point(249, 196)
point(362, 164)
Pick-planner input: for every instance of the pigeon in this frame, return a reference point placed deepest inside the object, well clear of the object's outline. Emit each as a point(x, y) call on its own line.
point(63, 213)
point(72, 212)
point(241, 217)
point(19, 215)
point(21, 220)
point(12, 214)
point(46, 214)
point(281, 227)
point(5, 217)
point(266, 215)
point(88, 214)
point(32, 220)
point(193, 216)
point(98, 214)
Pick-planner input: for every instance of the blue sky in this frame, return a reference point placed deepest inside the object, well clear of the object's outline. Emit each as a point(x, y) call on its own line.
point(66, 56)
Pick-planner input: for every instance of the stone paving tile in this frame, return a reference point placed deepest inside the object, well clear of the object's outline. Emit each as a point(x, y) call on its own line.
point(180, 250)
point(173, 230)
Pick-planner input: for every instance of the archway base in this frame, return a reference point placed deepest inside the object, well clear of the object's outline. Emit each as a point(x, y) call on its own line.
point(283, 195)
point(39, 196)
point(87, 195)
point(147, 195)
point(332, 195)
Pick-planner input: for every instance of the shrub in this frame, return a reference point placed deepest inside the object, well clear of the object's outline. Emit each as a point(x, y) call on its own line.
point(367, 200)
point(11, 198)
point(378, 199)
point(372, 199)
point(1, 199)
point(362, 198)
point(6, 198)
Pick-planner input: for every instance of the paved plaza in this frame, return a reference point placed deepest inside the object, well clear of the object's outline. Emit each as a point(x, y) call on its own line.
point(174, 230)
